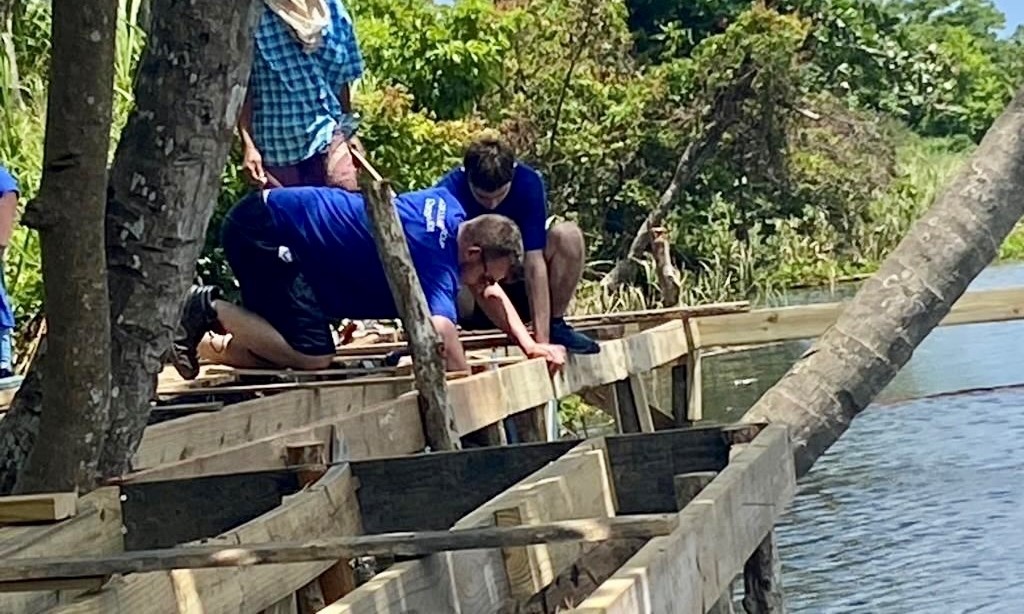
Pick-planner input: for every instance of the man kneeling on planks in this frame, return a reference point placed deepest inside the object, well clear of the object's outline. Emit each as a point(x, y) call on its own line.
point(305, 256)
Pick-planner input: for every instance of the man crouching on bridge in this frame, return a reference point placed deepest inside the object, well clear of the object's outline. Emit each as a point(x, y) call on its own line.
point(305, 257)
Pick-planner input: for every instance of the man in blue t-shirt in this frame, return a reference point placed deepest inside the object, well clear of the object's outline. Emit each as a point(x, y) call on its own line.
point(491, 180)
point(305, 257)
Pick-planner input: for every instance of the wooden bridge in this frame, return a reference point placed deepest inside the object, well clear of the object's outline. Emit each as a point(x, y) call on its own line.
point(254, 491)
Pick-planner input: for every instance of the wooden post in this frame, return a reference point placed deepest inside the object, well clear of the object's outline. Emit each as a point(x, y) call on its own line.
point(668, 275)
point(694, 376)
point(438, 419)
point(339, 579)
point(634, 410)
point(680, 394)
point(529, 425)
point(762, 580)
point(688, 486)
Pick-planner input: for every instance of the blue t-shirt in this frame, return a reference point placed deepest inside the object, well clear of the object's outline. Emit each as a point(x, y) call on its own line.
point(7, 182)
point(328, 232)
point(526, 203)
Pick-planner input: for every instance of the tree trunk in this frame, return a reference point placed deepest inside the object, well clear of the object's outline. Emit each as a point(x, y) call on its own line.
point(909, 295)
point(69, 216)
point(724, 114)
point(163, 186)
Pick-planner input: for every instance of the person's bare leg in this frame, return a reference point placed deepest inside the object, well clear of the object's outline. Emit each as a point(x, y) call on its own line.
point(454, 355)
point(564, 254)
point(254, 342)
point(224, 350)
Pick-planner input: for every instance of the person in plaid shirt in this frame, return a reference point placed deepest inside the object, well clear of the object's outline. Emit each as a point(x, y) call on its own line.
point(297, 123)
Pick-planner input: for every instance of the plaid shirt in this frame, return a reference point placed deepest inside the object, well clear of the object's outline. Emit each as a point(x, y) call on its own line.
point(295, 106)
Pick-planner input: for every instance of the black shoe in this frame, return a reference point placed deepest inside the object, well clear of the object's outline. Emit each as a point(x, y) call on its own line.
point(197, 318)
point(574, 342)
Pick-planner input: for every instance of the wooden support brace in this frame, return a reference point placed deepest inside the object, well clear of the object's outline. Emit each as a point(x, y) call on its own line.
point(42, 571)
point(438, 417)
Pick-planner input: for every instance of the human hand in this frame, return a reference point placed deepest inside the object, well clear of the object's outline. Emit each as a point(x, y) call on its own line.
point(252, 167)
point(554, 354)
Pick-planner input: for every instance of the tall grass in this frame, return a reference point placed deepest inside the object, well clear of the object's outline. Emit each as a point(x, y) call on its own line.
point(23, 124)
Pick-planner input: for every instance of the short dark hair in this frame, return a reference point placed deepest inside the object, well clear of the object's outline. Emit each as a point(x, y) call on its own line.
point(489, 162)
point(497, 236)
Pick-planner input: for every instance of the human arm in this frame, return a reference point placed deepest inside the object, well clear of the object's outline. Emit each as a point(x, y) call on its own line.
point(535, 269)
point(252, 160)
point(499, 309)
point(8, 212)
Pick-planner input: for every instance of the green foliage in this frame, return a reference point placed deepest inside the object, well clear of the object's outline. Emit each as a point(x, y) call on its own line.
point(857, 113)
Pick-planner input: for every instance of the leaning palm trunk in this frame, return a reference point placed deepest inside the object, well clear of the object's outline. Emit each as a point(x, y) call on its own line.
point(914, 289)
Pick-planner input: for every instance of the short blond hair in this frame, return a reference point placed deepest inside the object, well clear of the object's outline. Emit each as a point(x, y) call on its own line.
point(497, 236)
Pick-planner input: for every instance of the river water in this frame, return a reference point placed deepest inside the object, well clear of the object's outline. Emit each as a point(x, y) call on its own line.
point(920, 506)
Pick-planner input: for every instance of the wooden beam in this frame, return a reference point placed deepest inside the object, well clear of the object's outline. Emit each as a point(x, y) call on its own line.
point(65, 569)
point(425, 344)
point(808, 321)
point(44, 507)
point(165, 513)
point(687, 571)
point(95, 529)
point(247, 421)
point(387, 429)
point(574, 486)
point(644, 466)
point(433, 491)
point(326, 509)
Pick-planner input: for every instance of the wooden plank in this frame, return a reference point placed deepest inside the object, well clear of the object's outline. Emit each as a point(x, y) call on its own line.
point(687, 571)
point(433, 491)
point(388, 429)
point(326, 509)
point(655, 315)
point(44, 507)
point(95, 529)
point(808, 321)
point(43, 570)
point(247, 421)
point(643, 466)
point(655, 347)
point(573, 486)
point(584, 371)
point(166, 513)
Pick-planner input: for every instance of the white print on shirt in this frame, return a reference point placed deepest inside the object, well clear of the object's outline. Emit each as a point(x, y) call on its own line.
point(442, 210)
point(428, 214)
point(435, 222)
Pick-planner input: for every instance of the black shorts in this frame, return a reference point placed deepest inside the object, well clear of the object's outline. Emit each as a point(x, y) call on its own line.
point(270, 280)
point(516, 292)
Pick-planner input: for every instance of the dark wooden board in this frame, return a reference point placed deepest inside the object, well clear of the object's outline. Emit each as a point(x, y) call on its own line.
point(643, 465)
point(166, 513)
point(432, 491)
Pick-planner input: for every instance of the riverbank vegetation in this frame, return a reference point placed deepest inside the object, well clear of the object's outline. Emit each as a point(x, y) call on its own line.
point(818, 129)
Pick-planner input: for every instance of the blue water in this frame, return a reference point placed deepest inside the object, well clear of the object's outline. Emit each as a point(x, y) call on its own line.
point(920, 506)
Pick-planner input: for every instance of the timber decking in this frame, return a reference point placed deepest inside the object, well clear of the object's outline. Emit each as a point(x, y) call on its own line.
point(222, 475)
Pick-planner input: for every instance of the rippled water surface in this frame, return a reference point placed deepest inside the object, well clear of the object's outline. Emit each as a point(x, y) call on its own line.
point(920, 506)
